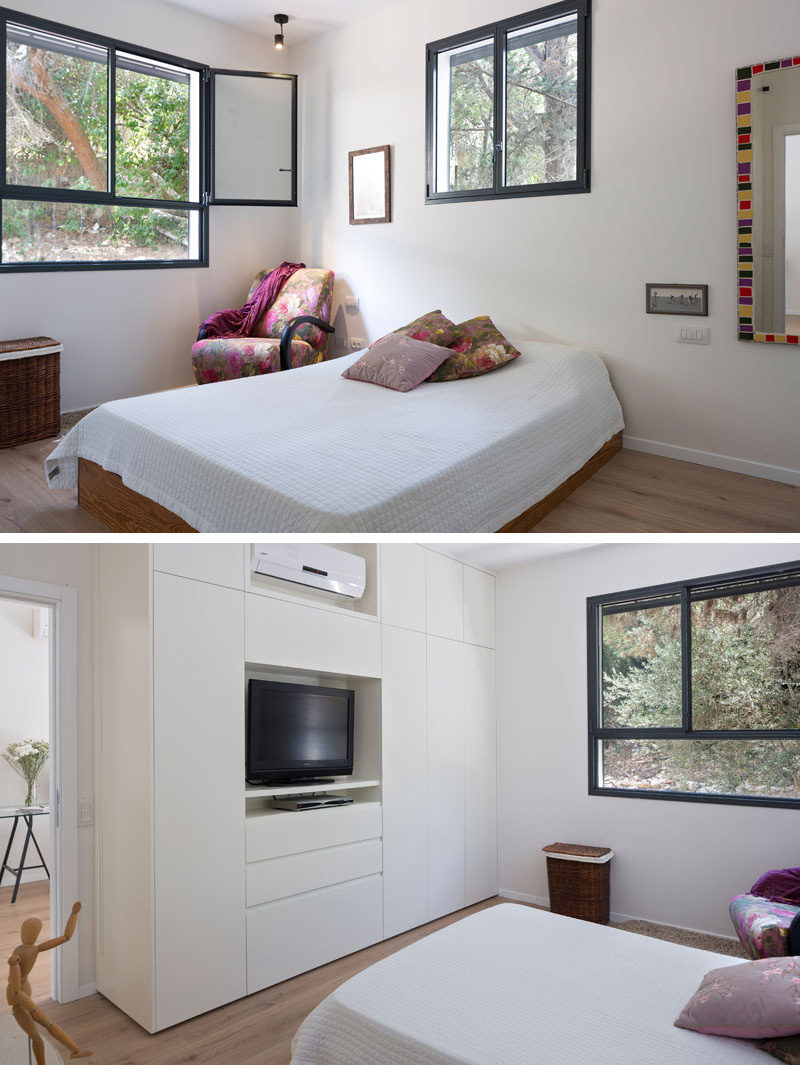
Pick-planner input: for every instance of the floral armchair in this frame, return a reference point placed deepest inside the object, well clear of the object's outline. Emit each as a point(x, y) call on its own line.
point(283, 339)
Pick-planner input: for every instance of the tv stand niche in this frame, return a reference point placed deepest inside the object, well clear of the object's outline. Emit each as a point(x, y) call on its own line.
point(270, 791)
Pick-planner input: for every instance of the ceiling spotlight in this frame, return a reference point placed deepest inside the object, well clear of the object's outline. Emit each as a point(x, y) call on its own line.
point(281, 20)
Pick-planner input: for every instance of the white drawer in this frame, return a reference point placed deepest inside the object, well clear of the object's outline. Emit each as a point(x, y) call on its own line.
point(274, 835)
point(296, 873)
point(297, 934)
point(301, 637)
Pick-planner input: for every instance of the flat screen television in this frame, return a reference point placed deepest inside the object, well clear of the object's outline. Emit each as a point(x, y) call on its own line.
point(297, 732)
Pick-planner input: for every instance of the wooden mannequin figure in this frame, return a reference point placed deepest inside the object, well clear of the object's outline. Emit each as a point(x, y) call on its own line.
point(26, 1013)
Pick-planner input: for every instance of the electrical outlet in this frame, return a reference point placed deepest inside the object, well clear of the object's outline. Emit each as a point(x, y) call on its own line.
point(690, 334)
point(351, 304)
point(357, 343)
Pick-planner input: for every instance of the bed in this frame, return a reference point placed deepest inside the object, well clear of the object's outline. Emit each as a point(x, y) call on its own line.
point(307, 451)
point(513, 985)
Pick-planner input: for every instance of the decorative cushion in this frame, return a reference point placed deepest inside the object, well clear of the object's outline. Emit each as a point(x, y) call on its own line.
point(223, 359)
point(397, 361)
point(307, 291)
point(433, 327)
point(779, 885)
point(787, 1050)
point(754, 1000)
point(762, 926)
point(479, 347)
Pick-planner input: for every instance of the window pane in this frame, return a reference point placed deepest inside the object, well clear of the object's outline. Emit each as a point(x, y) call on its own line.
point(253, 137)
point(69, 232)
point(155, 116)
point(767, 768)
point(56, 111)
point(746, 661)
point(541, 119)
point(465, 117)
point(641, 665)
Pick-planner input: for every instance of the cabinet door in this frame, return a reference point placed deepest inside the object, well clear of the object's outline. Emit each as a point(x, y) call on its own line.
point(216, 563)
point(403, 586)
point(480, 758)
point(446, 872)
point(444, 596)
point(478, 607)
point(199, 849)
point(405, 781)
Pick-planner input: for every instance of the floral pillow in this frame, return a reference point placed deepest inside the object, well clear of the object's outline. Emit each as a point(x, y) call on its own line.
point(397, 361)
point(786, 1050)
point(479, 347)
point(433, 327)
point(756, 1000)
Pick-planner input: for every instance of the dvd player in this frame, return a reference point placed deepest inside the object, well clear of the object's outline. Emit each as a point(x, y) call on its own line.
point(310, 802)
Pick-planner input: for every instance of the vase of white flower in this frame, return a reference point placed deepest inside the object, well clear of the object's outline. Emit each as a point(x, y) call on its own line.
point(28, 757)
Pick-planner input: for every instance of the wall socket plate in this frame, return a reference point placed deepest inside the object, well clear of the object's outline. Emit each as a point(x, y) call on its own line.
point(692, 334)
point(357, 343)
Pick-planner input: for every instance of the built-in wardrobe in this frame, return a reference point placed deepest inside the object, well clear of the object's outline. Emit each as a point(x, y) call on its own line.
point(206, 892)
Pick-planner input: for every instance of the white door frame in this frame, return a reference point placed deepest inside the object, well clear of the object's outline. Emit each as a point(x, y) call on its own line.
point(62, 600)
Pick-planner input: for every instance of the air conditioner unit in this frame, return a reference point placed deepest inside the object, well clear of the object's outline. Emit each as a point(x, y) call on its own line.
point(314, 565)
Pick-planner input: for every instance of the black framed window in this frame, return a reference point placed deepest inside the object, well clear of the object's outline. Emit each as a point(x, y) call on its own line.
point(107, 150)
point(694, 689)
point(507, 107)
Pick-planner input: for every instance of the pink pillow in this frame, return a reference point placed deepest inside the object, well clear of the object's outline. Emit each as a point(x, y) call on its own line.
point(755, 1000)
point(397, 361)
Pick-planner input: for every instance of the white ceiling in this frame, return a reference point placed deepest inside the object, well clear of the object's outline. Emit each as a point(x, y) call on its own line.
point(500, 556)
point(307, 18)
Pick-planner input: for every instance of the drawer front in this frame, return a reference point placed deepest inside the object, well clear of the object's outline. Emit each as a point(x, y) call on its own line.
point(297, 934)
point(301, 637)
point(296, 873)
point(274, 835)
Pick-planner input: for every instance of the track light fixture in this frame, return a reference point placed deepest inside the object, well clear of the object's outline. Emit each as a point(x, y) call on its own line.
point(281, 20)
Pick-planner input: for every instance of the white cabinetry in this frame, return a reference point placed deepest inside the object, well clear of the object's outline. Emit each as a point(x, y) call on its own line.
point(171, 838)
point(444, 596)
point(215, 563)
point(478, 607)
point(446, 887)
point(480, 762)
point(405, 780)
point(403, 586)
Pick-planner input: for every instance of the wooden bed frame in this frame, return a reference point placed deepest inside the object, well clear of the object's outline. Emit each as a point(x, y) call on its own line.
point(120, 508)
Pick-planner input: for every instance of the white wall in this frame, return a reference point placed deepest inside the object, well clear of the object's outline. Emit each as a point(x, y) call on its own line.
point(127, 332)
point(71, 564)
point(24, 715)
point(569, 268)
point(675, 862)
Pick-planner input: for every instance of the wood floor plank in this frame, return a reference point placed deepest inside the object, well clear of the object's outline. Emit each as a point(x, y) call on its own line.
point(634, 492)
point(33, 900)
point(256, 1030)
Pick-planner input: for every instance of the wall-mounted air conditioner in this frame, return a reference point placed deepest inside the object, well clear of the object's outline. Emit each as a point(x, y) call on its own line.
point(313, 565)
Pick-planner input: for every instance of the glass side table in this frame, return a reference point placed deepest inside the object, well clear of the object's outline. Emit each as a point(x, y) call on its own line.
point(26, 815)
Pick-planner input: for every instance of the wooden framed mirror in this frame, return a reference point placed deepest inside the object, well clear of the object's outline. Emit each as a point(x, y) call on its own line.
point(768, 176)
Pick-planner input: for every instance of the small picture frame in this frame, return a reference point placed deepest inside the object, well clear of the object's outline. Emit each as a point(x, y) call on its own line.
point(677, 299)
point(370, 186)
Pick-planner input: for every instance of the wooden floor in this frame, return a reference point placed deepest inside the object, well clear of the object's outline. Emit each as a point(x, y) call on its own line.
point(632, 493)
point(33, 900)
point(257, 1030)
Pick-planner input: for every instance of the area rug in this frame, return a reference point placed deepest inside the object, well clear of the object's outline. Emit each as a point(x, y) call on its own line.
point(71, 418)
point(701, 940)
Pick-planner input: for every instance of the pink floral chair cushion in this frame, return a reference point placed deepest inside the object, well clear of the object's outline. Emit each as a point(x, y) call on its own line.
point(306, 292)
point(223, 360)
point(762, 926)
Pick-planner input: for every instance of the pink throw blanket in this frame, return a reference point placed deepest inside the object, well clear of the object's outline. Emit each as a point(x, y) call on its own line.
point(241, 322)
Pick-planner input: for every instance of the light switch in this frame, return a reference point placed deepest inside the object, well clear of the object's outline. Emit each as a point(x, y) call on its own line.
point(690, 334)
point(351, 304)
point(86, 812)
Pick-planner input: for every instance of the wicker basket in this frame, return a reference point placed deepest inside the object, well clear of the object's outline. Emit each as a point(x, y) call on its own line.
point(579, 880)
point(30, 395)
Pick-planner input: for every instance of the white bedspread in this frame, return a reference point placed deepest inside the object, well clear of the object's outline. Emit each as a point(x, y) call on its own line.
point(308, 451)
point(517, 986)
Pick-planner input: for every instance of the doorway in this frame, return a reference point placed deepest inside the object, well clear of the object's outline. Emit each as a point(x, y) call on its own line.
point(38, 773)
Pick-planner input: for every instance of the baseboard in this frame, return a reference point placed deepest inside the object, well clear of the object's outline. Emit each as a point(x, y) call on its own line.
point(710, 458)
point(87, 989)
point(617, 918)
